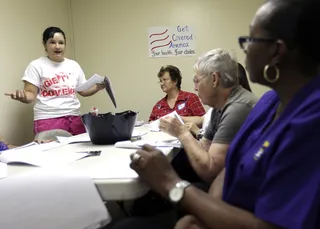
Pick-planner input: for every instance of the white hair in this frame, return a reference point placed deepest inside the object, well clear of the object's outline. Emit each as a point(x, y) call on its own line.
point(221, 61)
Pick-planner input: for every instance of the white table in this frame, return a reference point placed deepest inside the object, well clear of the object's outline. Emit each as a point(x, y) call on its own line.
point(110, 171)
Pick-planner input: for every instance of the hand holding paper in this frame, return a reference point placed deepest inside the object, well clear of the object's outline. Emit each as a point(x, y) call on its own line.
point(102, 82)
point(173, 126)
point(95, 79)
point(155, 124)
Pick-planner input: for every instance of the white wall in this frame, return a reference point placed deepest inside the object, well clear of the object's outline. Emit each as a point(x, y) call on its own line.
point(111, 39)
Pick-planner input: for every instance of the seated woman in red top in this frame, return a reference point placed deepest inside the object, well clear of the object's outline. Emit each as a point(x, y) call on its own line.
point(184, 103)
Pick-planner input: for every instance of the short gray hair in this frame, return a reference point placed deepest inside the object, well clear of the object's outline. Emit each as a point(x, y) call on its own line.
point(222, 61)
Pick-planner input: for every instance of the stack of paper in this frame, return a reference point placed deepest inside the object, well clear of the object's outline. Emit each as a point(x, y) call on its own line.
point(38, 157)
point(51, 199)
point(74, 139)
point(35, 145)
point(138, 144)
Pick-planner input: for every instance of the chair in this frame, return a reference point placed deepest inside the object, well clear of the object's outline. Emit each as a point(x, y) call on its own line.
point(51, 135)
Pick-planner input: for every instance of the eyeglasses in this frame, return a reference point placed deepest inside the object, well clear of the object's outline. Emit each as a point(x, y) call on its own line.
point(196, 81)
point(163, 81)
point(244, 41)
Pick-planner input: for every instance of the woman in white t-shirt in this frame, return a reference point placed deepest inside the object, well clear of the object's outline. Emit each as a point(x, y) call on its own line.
point(51, 81)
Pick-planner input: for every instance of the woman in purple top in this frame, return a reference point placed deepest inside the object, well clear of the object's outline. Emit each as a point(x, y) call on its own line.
point(272, 174)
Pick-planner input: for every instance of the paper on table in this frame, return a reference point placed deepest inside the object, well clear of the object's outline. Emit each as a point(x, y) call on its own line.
point(171, 143)
point(95, 79)
point(139, 123)
point(137, 133)
point(74, 139)
point(155, 124)
point(138, 144)
point(26, 145)
point(35, 146)
point(40, 158)
point(51, 199)
point(3, 170)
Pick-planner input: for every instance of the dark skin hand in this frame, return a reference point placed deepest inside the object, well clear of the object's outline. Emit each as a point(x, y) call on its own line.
point(154, 168)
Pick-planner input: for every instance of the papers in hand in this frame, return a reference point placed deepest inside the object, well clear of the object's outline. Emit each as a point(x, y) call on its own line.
point(51, 199)
point(97, 79)
point(155, 124)
point(110, 91)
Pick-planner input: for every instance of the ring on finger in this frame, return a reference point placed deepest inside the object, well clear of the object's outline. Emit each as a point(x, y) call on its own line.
point(136, 157)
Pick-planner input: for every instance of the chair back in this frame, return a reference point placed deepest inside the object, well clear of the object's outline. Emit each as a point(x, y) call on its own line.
point(51, 135)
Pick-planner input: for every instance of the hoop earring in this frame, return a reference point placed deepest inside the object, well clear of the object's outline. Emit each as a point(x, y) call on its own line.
point(265, 74)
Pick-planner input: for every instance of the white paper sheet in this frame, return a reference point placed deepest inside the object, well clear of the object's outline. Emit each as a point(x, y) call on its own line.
point(139, 123)
point(51, 199)
point(155, 124)
point(36, 147)
point(74, 139)
point(95, 79)
point(40, 158)
point(3, 170)
point(137, 133)
point(138, 144)
point(26, 145)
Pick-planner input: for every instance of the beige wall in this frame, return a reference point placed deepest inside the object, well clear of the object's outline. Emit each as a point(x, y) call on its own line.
point(109, 37)
point(21, 25)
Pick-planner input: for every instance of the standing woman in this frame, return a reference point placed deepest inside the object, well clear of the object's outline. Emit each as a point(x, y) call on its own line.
point(51, 81)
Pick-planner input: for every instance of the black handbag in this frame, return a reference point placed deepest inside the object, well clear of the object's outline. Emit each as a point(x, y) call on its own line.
point(110, 128)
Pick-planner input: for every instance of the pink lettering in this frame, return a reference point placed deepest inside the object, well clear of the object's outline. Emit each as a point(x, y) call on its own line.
point(44, 93)
point(55, 80)
point(57, 92)
point(65, 91)
point(47, 83)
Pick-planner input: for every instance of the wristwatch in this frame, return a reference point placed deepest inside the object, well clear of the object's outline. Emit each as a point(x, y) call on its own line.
point(177, 192)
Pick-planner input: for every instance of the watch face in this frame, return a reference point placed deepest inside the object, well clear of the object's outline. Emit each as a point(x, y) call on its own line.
point(176, 194)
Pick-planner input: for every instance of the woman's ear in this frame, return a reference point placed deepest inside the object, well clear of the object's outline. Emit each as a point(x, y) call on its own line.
point(175, 83)
point(279, 52)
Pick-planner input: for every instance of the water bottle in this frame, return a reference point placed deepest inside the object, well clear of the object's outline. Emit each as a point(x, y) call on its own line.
point(94, 111)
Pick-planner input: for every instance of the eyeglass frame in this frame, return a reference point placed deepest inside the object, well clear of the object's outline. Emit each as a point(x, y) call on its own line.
point(197, 81)
point(247, 39)
point(163, 81)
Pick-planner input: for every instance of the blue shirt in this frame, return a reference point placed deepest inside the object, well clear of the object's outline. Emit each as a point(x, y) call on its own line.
point(274, 171)
point(3, 146)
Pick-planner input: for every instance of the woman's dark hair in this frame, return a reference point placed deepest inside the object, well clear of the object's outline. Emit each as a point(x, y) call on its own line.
point(243, 80)
point(294, 22)
point(49, 33)
point(174, 73)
